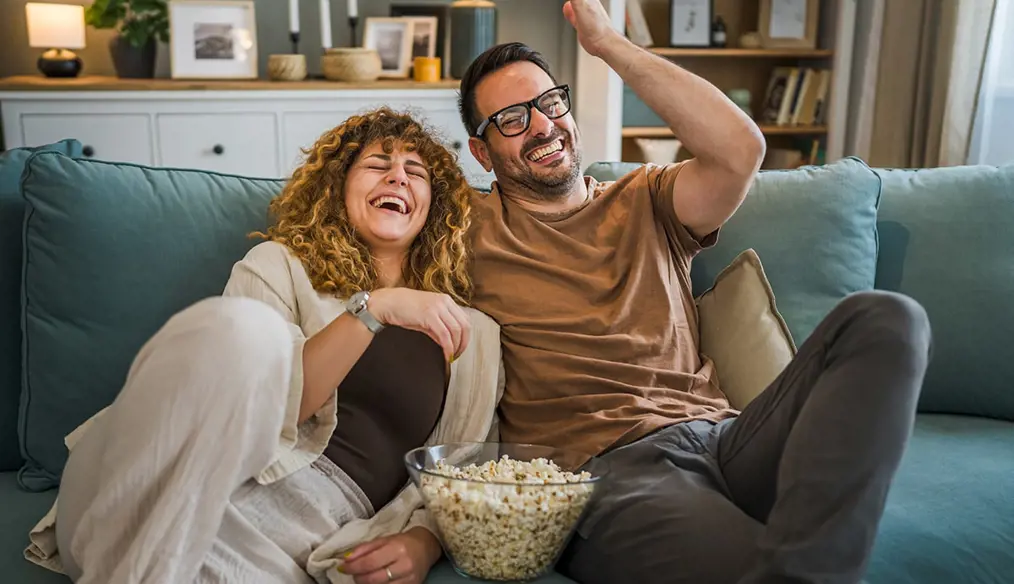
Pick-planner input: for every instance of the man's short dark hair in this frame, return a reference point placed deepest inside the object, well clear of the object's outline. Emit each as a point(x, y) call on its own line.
point(492, 60)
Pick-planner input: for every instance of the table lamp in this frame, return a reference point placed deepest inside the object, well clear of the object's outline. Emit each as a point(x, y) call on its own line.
point(56, 28)
point(473, 30)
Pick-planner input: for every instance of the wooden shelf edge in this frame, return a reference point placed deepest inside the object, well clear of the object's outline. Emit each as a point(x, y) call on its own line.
point(103, 83)
point(744, 53)
point(659, 132)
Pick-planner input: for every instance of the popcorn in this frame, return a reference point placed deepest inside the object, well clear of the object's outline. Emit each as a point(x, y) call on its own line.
point(512, 523)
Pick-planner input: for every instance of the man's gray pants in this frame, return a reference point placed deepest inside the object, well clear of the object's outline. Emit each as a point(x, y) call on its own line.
point(792, 490)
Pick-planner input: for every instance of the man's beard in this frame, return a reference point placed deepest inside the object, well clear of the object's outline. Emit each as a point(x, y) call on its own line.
point(557, 183)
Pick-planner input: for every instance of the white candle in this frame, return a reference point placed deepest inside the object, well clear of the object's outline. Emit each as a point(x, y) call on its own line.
point(293, 15)
point(353, 8)
point(325, 23)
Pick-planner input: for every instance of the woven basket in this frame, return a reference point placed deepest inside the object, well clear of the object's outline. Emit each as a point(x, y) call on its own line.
point(287, 67)
point(351, 64)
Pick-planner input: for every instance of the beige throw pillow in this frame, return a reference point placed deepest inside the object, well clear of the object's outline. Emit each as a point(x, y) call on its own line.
point(742, 332)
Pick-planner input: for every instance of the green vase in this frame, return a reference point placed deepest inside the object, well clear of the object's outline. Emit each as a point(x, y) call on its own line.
point(473, 30)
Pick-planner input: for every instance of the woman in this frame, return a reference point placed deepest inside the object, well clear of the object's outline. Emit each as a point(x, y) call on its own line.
point(230, 456)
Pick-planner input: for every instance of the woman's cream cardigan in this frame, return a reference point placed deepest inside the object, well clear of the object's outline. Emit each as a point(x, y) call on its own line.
point(272, 274)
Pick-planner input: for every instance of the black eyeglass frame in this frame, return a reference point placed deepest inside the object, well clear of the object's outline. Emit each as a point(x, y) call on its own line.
point(532, 103)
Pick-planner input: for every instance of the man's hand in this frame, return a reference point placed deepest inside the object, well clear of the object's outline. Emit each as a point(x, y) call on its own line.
point(591, 21)
point(406, 558)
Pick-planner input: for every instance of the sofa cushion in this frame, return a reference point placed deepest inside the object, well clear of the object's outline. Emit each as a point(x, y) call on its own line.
point(111, 252)
point(19, 512)
point(815, 227)
point(950, 513)
point(12, 216)
point(946, 240)
point(742, 332)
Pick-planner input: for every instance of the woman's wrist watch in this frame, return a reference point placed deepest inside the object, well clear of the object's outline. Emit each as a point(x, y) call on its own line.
point(357, 308)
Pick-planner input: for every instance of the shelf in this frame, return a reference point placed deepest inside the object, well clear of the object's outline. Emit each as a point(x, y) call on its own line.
point(660, 132)
point(99, 83)
point(744, 53)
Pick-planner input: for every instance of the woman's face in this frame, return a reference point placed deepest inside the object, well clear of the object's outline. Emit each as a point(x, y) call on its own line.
point(388, 197)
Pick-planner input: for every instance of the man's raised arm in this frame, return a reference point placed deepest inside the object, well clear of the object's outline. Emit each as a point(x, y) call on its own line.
point(728, 147)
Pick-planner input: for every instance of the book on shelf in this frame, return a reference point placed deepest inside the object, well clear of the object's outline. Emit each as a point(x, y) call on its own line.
point(796, 96)
point(637, 25)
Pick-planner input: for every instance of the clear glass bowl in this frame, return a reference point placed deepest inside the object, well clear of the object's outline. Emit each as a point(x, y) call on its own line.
point(504, 530)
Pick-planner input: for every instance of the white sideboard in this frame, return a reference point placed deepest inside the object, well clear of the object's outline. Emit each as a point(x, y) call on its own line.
point(251, 129)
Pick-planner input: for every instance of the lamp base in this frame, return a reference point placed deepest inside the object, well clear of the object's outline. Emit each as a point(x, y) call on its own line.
point(60, 63)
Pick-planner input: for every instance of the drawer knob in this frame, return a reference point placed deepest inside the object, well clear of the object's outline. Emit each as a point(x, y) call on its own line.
point(218, 149)
point(88, 151)
point(457, 145)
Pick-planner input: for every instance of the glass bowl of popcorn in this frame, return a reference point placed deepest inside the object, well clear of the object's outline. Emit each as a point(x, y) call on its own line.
point(504, 512)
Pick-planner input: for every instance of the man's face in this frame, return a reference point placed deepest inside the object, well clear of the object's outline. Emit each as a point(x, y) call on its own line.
point(545, 159)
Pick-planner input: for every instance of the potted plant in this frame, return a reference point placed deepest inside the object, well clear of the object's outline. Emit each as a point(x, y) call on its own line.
point(139, 25)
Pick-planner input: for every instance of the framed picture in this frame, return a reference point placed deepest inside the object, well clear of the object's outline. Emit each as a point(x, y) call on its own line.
point(213, 39)
point(393, 39)
point(443, 15)
point(690, 23)
point(789, 23)
point(424, 36)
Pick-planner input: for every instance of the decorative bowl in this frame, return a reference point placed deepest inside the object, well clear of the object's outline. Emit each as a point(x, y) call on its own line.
point(354, 64)
point(286, 67)
point(504, 512)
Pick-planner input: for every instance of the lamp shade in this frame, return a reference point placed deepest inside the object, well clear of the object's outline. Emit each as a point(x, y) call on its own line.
point(55, 26)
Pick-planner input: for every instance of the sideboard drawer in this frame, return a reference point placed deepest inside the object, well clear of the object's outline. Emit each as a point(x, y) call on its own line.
point(301, 130)
point(113, 137)
point(243, 144)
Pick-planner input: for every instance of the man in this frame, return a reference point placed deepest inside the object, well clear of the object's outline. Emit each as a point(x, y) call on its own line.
point(591, 285)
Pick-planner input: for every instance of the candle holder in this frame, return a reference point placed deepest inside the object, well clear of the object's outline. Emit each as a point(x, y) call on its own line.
point(353, 25)
point(294, 37)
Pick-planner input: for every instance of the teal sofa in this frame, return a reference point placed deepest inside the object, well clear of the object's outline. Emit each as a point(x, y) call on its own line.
point(96, 256)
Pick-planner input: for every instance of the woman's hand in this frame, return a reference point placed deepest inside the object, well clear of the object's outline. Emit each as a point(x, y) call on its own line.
point(406, 558)
point(437, 315)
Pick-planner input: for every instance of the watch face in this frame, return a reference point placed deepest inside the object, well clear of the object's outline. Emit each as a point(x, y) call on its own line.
point(358, 302)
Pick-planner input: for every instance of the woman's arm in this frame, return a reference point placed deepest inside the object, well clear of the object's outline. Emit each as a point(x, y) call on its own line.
point(328, 356)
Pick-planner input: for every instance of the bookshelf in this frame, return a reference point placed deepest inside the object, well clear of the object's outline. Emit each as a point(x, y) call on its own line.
point(766, 129)
point(735, 53)
point(734, 67)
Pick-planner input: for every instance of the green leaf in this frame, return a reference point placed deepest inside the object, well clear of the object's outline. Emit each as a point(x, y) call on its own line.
point(105, 13)
point(138, 20)
point(148, 5)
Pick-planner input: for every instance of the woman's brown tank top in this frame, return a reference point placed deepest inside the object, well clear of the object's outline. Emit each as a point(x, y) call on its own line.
point(388, 404)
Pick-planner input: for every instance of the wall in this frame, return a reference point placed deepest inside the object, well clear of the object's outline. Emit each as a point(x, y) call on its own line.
point(548, 33)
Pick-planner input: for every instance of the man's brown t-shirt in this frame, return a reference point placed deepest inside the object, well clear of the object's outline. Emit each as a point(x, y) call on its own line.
point(598, 320)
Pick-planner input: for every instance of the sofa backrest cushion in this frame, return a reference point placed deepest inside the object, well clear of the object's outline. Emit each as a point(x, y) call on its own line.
point(12, 216)
point(111, 252)
point(946, 239)
point(815, 229)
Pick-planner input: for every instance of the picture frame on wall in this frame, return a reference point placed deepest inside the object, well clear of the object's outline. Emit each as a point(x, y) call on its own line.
point(690, 23)
point(213, 39)
point(443, 15)
point(392, 38)
point(789, 24)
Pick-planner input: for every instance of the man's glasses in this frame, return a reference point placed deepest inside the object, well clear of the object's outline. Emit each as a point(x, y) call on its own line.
point(514, 120)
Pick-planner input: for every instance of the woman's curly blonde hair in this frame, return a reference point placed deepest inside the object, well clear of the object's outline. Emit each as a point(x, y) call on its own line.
point(311, 218)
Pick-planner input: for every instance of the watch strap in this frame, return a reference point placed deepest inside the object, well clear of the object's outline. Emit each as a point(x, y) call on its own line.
point(370, 321)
